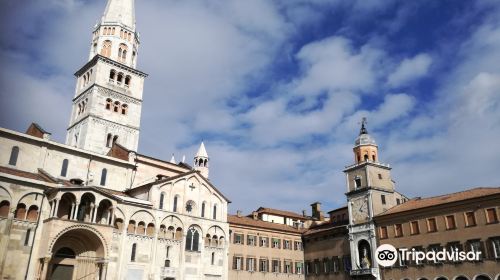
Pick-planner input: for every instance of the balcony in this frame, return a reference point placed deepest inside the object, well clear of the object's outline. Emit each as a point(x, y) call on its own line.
point(168, 272)
point(364, 271)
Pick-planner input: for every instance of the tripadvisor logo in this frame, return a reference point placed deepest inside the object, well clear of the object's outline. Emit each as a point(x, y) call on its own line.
point(387, 255)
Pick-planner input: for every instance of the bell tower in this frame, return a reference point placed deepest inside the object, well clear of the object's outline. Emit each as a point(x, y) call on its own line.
point(201, 161)
point(370, 191)
point(108, 96)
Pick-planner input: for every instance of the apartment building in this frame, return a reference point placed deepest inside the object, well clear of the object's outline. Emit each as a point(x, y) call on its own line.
point(326, 248)
point(265, 249)
point(467, 221)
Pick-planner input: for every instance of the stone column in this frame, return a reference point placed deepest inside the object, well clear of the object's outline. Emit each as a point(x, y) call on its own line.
point(45, 269)
point(111, 216)
point(56, 208)
point(75, 213)
point(94, 215)
point(71, 212)
point(104, 270)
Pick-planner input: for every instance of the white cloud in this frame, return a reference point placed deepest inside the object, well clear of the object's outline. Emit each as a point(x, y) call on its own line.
point(333, 64)
point(410, 69)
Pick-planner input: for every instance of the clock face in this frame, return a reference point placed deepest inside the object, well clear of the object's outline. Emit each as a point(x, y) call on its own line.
point(360, 210)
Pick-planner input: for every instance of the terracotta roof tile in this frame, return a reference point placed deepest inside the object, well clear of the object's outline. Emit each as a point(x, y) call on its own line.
point(417, 203)
point(325, 226)
point(250, 222)
point(25, 174)
point(278, 212)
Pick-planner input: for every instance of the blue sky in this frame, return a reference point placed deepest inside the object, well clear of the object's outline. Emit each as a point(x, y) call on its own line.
point(277, 88)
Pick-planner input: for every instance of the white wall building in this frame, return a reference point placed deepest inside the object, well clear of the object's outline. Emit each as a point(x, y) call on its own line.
point(94, 208)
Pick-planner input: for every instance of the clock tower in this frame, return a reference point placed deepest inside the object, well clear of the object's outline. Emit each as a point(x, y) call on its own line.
point(370, 191)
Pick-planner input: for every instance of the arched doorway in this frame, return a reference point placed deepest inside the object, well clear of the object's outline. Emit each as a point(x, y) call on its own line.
point(77, 254)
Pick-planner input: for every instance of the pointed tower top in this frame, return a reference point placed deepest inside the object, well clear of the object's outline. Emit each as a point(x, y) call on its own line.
point(120, 11)
point(202, 152)
point(364, 138)
point(172, 159)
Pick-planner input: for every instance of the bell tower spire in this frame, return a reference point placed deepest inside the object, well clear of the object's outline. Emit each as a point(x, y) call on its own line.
point(108, 97)
point(201, 160)
point(120, 11)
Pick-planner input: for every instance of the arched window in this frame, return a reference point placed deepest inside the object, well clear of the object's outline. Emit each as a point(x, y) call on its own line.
point(124, 109)
point(104, 173)
point(108, 103)
point(141, 228)
point(119, 78)
point(122, 52)
point(4, 208)
point(374, 157)
point(64, 168)
point(117, 106)
point(131, 227)
point(121, 33)
point(129, 36)
point(108, 140)
point(150, 230)
point(357, 182)
point(366, 157)
point(32, 213)
point(115, 139)
point(20, 211)
point(213, 258)
point(127, 80)
point(192, 239)
point(112, 75)
point(178, 233)
point(14, 153)
point(118, 224)
point(106, 48)
point(203, 210)
point(215, 212)
point(132, 255)
point(162, 197)
point(113, 31)
point(174, 209)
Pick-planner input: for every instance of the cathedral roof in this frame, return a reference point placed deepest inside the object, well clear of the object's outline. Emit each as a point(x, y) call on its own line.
point(419, 203)
point(120, 11)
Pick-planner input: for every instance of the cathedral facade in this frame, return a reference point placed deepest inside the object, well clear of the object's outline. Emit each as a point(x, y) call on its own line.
point(94, 208)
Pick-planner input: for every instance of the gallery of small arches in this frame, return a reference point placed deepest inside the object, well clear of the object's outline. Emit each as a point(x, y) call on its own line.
point(90, 208)
point(26, 208)
point(84, 208)
point(479, 276)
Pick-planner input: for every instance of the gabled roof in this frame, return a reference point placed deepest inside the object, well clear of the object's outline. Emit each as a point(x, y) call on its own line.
point(419, 203)
point(250, 222)
point(283, 213)
point(36, 130)
point(118, 151)
point(169, 179)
